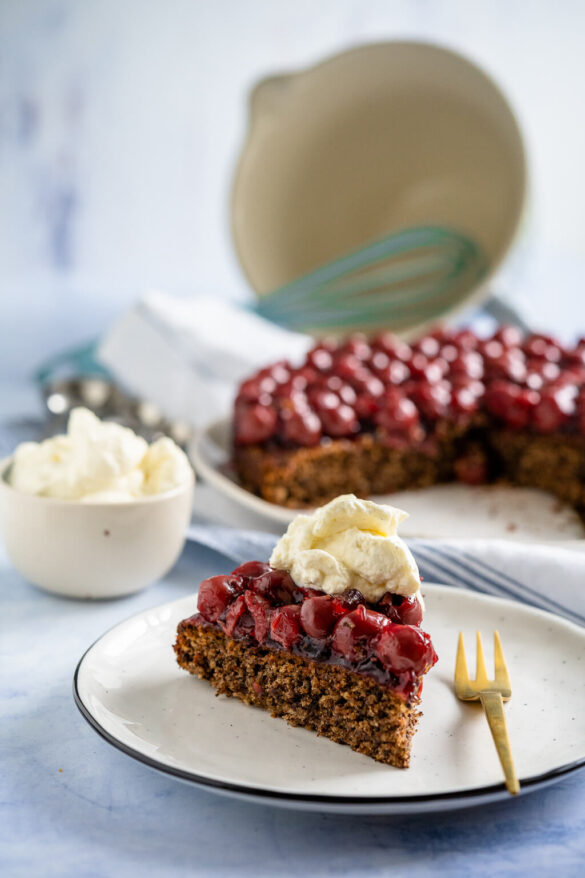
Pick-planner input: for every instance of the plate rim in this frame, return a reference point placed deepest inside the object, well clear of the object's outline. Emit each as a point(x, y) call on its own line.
point(282, 514)
point(453, 799)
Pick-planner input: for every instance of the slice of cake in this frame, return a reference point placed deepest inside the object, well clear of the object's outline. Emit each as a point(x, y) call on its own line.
point(379, 416)
point(326, 635)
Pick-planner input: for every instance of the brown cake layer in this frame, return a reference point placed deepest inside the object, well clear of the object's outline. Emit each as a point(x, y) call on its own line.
point(339, 704)
point(309, 476)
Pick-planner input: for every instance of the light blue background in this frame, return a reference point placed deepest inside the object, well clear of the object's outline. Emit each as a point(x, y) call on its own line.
point(121, 120)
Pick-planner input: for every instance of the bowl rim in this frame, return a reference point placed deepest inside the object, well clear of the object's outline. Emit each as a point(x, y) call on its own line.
point(480, 291)
point(147, 500)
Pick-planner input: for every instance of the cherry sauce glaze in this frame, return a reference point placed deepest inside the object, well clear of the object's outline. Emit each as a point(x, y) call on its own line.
point(405, 394)
point(261, 605)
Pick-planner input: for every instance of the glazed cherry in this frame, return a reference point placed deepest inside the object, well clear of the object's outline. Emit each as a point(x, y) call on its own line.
point(320, 359)
point(511, 403)
point(379, 361)
point(429, 346)
point(465, 340)
point(355, 632)
point(251, 569)
point(393, 346)
point(404, 648)
point(432, 399)
point(337, 418)
point(216, 593)
point(449, 353)
point(352, 599)
point(234, 613)
point(296, 384)
point(359, 347)
point(543, 347)
point(301, 426)
point(464, 401)
point(261, 611)
point(252, 389)
point(511, 366)
point(285, 625)
point(277, 586)
point(402, 609)
point(555, 409)
point(418, 364)
point(344, 391)
point(509, 336)
point(348, 366)
point(255, 423)
point(398, 413)
point(367, 406)
point(468, 363)
point(319, 615)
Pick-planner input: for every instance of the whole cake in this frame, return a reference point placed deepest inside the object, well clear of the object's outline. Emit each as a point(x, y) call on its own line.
point(326, 635)
point(377, 416)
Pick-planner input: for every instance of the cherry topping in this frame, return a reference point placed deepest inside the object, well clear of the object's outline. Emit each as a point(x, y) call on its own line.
point(393, 346)
point(402, 609)
point(432, 399)
point(344, 391)
point(252, 389)
point(429, 346)
point(255, 423)
point(301, 426)
point(285, 625)
point(234, 614)
point(405, 648)
point(352, 598)
point(319, 615)
point(555, 408)
point(543, 347)
point(337, 418)
point(277, 586)
point(511, 403)
point(359, 347)
point(260, 610)
point(320, 358)
point(251, 569)
point(468, 363)
point(465, 340)
point(510, 336)
point(354, 632)
point(216, 593)
point(398, 414)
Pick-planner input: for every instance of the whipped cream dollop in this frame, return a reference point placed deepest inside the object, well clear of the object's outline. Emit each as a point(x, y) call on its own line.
point(349, 543)
point(98, 462)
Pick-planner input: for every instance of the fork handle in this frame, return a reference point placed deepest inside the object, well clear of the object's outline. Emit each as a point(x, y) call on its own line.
point(494, 711)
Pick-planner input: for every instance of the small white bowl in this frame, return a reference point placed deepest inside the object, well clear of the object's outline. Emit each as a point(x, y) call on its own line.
point(93, 550)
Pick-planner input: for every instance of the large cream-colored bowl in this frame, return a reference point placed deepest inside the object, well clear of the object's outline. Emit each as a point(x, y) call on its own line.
point(377, 139)
point(101, 550)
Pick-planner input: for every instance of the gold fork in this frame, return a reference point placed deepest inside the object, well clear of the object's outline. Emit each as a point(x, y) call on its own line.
point(492, 694)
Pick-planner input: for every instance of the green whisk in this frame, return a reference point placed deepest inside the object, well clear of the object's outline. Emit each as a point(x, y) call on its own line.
point(403, 279)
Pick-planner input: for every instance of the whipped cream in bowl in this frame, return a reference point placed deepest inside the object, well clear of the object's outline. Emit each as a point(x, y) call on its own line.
point(349, 543)
point(96, 512)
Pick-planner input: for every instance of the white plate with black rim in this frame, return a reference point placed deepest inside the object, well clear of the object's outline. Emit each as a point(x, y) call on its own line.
point(130, 689)
point(437, 512)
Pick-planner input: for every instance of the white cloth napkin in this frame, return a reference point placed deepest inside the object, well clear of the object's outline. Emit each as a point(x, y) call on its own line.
point(546, 577)
point(187, 355)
